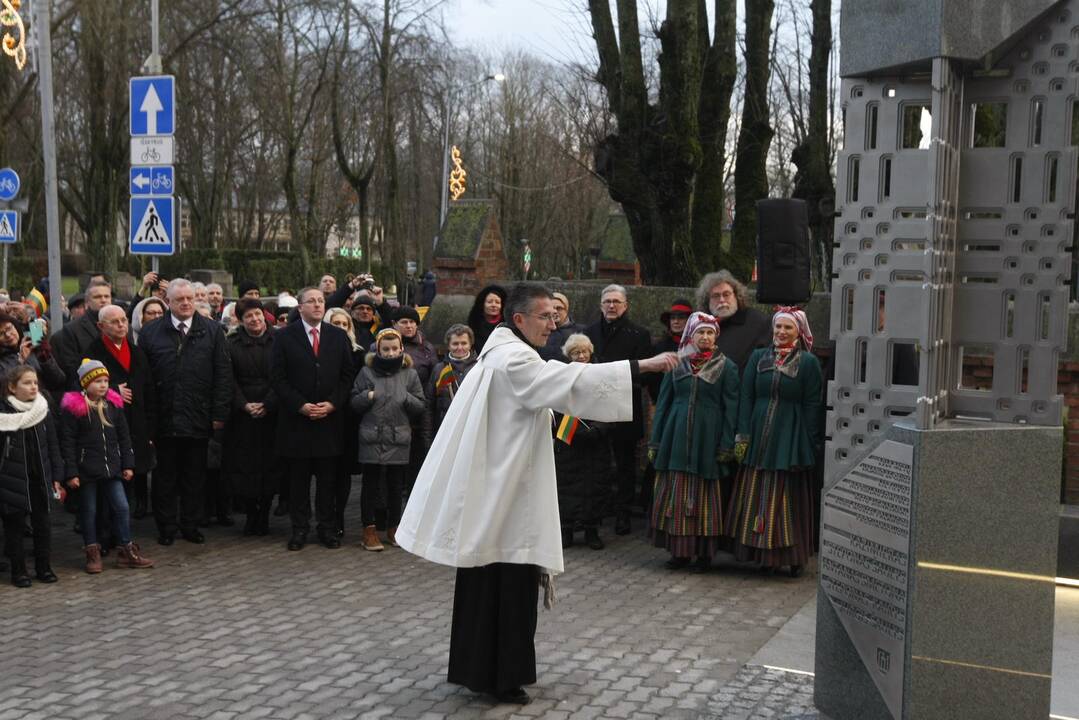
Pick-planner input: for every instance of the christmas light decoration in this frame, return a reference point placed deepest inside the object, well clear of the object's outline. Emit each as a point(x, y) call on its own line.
point(9, 17)
point(458, 176)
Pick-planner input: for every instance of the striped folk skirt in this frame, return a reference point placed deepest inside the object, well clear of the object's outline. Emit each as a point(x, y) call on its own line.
point(771, 516)
point(687, 515)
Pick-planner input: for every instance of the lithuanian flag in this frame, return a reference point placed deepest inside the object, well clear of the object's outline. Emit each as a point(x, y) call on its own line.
point(445, 378)
point(36, 300)
point(567, 429)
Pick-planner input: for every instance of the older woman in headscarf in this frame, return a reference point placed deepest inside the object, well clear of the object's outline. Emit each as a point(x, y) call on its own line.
point(771, 513)
point(692, 447)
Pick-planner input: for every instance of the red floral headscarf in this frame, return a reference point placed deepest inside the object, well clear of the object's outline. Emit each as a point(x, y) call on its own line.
point(798, 316)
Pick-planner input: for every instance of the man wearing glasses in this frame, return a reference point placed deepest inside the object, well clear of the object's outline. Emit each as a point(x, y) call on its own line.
point(742, 329)
point(486, 500)
point(311, 370)
point(615, 337)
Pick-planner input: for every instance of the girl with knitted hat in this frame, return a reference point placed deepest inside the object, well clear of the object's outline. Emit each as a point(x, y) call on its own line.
point(96, 448)
point(771, 515)
point(31, 471)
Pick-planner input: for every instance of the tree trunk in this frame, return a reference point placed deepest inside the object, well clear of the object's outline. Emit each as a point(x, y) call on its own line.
point(750, 172)
point(709, 200)
point(813, 182)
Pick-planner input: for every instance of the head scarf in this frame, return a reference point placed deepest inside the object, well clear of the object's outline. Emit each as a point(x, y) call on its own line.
point(696, 321)
point(798, 316)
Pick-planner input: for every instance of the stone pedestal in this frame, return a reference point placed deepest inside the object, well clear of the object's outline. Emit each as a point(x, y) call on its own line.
point(938, 557)
point(221, 277)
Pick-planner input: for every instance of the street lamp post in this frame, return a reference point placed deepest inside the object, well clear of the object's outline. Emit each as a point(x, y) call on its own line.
point(48, 151)
point(444, 193)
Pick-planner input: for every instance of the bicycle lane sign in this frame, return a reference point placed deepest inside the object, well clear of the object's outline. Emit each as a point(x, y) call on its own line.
point(152, 150)
point(151, 180)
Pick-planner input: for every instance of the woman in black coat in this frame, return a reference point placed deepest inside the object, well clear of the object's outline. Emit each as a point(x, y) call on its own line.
point(582, 465)
point(486, 313)
point(249, 458)
point(31, 471)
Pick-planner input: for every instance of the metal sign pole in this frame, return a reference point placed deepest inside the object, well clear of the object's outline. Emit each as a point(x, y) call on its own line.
point(48, 142)
point(3, 281)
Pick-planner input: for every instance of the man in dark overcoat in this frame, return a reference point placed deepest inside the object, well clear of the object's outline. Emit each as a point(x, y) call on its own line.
point(615, 337)
point(129, 375)
point(69, 345)
point(189, 360)
point(310, 370)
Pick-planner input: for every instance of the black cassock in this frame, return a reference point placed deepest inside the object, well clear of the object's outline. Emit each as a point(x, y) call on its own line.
point(492, 640)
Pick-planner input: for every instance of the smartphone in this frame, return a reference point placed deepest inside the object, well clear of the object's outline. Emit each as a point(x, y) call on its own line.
point(37, 331)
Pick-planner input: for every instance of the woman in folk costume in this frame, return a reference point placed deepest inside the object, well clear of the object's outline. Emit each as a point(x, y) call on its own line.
point(692, 446)
point(771, 512)
point(486, 500)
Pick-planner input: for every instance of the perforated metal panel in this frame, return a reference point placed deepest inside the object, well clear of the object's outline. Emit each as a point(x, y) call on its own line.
point(955, 195)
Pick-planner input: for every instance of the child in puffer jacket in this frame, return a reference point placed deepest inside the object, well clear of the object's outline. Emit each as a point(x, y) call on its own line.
point(387, 394)
point(96, 446)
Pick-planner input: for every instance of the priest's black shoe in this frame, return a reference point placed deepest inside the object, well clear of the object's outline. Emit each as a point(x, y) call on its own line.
point(193, 536)
point(621, 524)
point(165, 540)
point(297, 541)
point(516, 696)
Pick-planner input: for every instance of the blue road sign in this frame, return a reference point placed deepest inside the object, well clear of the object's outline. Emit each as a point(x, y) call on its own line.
point(9, 226)
point(147, 180)
point(152, 105)
point(9, 184)
point(151, 223)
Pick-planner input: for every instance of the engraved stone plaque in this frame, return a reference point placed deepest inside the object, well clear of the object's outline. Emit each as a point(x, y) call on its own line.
point(865, 546)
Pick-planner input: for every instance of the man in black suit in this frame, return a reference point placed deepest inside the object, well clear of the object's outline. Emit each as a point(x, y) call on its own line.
point(310, 369)
point(192, 376)
point(616, 338)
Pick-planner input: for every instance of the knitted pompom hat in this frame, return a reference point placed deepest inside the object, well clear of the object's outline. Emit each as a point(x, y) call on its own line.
point(91, 370)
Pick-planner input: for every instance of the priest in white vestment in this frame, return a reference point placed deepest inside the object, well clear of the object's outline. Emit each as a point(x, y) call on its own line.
point(486, 501)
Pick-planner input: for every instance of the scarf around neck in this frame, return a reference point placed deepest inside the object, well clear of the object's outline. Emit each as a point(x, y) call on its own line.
point(387, 366)
point(26, 415)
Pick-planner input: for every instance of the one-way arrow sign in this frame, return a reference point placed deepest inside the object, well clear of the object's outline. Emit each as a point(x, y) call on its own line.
point(152, 106)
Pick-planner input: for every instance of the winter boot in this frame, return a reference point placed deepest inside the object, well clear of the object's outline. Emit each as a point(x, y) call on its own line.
point(93, 559)
point(130, 556)
point(370, 539)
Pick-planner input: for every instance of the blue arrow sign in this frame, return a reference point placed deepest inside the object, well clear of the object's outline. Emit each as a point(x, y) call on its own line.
point(151, 223)
point(152, 180)
point(9, 184)
point(9, 226)
point(152, 105)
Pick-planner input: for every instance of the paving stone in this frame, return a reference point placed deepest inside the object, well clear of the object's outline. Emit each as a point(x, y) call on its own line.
point(241, 629)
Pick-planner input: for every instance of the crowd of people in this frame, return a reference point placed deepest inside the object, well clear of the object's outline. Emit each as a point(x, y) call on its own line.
point(180, 405)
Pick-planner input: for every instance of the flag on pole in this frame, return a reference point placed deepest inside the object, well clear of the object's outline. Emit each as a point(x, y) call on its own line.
point(567, 429)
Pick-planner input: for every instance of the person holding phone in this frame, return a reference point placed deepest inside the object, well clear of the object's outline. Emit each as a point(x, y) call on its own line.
point(17, 348)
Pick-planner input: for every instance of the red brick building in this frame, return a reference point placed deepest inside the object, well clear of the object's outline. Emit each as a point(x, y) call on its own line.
point(470, 252)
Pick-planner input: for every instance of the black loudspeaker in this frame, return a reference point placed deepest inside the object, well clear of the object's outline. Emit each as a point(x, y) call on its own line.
point(784, 257)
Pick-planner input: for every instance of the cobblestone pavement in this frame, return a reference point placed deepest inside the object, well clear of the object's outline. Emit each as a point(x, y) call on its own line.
point(241, 628)
point(763, 693)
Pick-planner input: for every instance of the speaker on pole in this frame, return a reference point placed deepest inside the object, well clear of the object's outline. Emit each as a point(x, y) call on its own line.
point(784, 257)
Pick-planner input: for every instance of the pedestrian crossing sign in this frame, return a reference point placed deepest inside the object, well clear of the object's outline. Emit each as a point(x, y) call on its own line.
point(9, 226)
point(151, 222)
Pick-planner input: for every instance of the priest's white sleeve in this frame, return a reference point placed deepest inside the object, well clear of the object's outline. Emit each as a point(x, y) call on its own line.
point(602, 392)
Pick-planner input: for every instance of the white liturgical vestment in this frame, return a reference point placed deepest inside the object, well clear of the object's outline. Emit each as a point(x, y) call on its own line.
point(486, 492)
